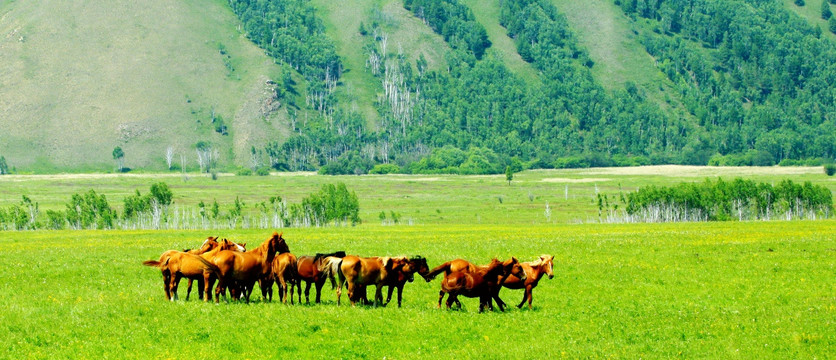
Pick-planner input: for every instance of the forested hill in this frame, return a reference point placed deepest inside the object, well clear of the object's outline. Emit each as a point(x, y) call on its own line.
point(466, 86)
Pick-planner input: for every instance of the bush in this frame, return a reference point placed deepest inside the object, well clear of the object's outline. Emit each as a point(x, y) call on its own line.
point(830, 169)
point(263, 171)
point(385, 169)
point(243, 172)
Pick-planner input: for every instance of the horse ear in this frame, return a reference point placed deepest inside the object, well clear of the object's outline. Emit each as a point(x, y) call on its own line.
point(387, 262)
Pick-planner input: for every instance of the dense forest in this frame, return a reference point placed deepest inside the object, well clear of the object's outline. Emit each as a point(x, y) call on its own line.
point(753, 79)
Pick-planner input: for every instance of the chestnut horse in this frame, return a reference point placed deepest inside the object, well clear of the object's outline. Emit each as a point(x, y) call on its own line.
point(534, 270)
point(284, 273)
point(162, 264)
point(417, 264)
point(308, 270)
point(464, 278)
point(244, 269)
point(213, 248)
point(359, 272)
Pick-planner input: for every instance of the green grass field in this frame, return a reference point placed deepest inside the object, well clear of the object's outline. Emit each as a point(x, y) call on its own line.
point(421, 199)
point(720, 290)
point(717, 290)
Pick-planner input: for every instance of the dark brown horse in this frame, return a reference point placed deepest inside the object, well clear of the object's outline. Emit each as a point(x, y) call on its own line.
point(416, 264)
point(464, 278)
point(357, 272)
point(163, 265)
point(245, 269)
point(308, 270)
point(284, 274)
point(534, 270)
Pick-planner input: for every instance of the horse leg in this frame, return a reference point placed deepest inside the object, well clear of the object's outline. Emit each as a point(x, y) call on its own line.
point(339, 293)
point(440, 297)
point(450, 299)
point(282, 290)
point(167, 284)
point(351, 288)
point(389, 295)
point(208, 281)
point(378, 295)
point(526, 295)
point(299, 290)
point(266, 286)
point(400, 293)
point(201, 284)
point(175, 280)
point(307, 292)
point(319, 285)
point(528, 291)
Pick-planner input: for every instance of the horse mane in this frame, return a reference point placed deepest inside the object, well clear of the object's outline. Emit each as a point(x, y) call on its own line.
point(540, 261)
point(339, 254)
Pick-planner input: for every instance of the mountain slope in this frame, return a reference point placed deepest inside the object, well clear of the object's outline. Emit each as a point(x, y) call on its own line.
point(79, 78)
point(419, 85)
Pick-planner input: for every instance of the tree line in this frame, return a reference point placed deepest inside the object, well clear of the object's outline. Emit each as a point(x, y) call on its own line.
point(330, 205)
point(719, 200)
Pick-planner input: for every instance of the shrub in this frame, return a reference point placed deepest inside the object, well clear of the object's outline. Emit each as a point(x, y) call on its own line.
point(830, 169)
point(385, 169)
point(263, 171)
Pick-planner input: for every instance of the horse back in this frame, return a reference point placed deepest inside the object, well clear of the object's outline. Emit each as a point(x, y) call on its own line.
point(306, 268)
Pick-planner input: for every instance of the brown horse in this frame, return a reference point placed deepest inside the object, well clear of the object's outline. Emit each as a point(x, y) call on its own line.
point(284, 273)
point(464, 278)
point(534, 270)
point(308, 270)
point(208, 251)
point(359, 272)
point(162, 264)
point(417, 264)
point(244, 269)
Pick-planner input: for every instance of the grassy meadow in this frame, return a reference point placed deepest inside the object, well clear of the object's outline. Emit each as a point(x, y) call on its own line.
point(718, 290)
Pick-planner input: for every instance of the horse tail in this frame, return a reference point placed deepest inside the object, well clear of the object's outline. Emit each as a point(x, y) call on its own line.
point(331, 268)
point(153, 263)
point(214, 268)
point(294, 270)
point(159, 263)
point(438, 270)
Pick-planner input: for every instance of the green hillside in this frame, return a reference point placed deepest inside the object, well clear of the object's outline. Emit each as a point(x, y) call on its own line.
point(79, 78)
point(442, 86)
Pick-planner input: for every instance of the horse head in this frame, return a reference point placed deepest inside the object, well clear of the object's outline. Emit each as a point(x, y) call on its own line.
point(277, 243)
point(512, 267)
point(548, 264)
point(225, 244)
point(403, 265)
point(207, 245)
point(418, 264)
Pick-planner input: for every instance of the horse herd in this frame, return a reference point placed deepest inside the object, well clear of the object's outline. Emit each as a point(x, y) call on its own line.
point(238, 270)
